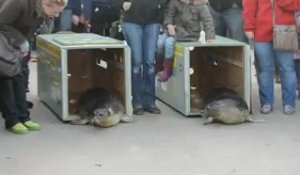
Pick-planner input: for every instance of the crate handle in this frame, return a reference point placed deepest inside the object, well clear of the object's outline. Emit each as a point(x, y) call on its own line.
point(101, 63)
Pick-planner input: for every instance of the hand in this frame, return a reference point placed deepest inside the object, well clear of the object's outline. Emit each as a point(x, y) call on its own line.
point(126, 6)
point(171, 29)
point(88, 27)
point(75, 19)
point(24, 48)
point(249, 35)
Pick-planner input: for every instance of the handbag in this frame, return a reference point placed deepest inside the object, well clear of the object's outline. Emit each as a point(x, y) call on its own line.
point(285, 37)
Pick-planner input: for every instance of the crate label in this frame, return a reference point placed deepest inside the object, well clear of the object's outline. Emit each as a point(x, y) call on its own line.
point(179, 51)
point(48, 47)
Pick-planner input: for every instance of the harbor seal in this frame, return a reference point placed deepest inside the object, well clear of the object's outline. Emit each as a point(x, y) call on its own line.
point(100, 107)
point(226, 106)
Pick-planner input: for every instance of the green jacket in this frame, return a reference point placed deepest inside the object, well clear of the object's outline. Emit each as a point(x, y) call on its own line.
point(188, 19)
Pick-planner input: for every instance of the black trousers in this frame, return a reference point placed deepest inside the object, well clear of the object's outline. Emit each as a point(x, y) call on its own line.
point(102, 17)
point(13, 103)
point(25, 70)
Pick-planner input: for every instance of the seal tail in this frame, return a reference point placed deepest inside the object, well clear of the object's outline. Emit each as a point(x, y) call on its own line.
point(251, 120)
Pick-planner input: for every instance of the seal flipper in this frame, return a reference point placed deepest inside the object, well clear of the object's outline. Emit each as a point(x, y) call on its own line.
point(80, 121)
point(209, 120)
point(127, 119)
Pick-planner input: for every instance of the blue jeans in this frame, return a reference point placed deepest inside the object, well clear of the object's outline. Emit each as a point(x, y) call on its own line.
point(165, 46)
point(297, 68)
point(265, 57)
point(64, 21)
point(142, 40)
point(229, 23)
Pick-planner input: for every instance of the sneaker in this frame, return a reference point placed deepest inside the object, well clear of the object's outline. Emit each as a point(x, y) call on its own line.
point(138, 111)
point(288, 110)
point(32, 126)
point(266, 109)
point(18, 128)
point(153, 110)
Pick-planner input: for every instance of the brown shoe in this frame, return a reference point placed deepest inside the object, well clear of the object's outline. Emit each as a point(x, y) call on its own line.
point(138, 111)
point(153, 110)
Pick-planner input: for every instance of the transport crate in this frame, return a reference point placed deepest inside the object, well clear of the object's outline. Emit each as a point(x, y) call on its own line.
point(70, 64)
point(198, 68)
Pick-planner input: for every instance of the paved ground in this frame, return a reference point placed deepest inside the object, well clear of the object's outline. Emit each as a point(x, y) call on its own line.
point(169, 144)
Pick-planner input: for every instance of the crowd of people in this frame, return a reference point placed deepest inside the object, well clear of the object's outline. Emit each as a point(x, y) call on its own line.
point(151, 28)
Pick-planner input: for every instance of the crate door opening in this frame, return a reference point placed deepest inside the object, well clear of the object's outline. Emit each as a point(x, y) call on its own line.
point(214, 67)
point(96, 68)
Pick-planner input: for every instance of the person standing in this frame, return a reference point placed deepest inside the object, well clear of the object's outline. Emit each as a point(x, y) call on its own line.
point(140, 26)
point(25, 16)
point(227, 15)
point(258, 26)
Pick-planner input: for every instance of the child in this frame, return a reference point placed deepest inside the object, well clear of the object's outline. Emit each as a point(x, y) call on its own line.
point(182, 23)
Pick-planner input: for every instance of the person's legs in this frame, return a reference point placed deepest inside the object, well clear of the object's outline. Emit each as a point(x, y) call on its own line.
point(159, 59)
point(169, 58)
point(297, 69)
point(234, 24)
point(20, 97)
point(66, 20)
point(264, 58)
point(161, 45)
point(133, 34)
point(150, 37)
point(219, 23)
point(7, 103)
point(8, 107)
point(21, 102)
point(169, 47)
point(25, 70)
point(285, 62)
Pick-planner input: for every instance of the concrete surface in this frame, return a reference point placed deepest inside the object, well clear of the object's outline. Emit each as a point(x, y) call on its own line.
point(168, 144)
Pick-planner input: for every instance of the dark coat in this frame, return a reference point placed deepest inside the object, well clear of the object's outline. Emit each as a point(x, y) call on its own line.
point(222, 5)
point(11, 42)
point(24, 15)
point(144, 12)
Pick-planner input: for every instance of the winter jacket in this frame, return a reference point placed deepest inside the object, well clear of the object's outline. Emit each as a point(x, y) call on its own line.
point(24, 15)
point(87, 6)
point(187, 18)
point(257, 15)
point(222, 5)
point(144, 12)
point(11, 44)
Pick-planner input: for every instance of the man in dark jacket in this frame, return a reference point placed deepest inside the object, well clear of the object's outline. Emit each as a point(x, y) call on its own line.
point(227, 18)
point(101, 13)
point(25, 16)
